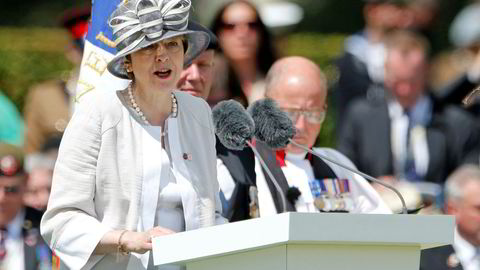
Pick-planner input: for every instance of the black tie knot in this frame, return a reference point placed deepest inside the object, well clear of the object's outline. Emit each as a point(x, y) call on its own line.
point(3, 236)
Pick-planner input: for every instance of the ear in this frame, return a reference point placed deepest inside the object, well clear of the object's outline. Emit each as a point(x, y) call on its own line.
point(451, 207)
point(128, 66)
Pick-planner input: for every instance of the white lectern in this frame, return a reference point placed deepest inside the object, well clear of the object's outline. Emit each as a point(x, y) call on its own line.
point(304, 241)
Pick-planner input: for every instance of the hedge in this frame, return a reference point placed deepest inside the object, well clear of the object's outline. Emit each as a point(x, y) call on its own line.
point(31, 55)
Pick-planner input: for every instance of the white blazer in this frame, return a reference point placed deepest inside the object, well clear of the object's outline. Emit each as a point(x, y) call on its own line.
point(98, 177)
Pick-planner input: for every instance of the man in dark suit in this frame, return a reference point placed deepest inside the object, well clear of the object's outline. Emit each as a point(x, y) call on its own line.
point(462, 201)
point(407, 133)
point(235, 169)
point(361, 65)
point(21, 246)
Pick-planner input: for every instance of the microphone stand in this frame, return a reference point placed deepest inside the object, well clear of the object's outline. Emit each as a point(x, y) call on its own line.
point(264, 166)
point(404, 206)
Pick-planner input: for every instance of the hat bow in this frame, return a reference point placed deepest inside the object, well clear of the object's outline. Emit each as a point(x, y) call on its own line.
point(148, 19)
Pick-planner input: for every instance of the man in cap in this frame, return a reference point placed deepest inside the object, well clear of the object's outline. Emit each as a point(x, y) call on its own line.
point(48, 104)
point(235, 169)
point(21, 246)
point(462, 201)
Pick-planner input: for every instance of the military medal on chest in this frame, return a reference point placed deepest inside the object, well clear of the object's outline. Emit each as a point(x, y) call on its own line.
point(332, 195)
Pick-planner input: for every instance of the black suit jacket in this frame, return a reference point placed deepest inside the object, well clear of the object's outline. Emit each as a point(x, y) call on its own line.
point(37, 254)
point(452, 138)
point(353, 83)
point(241, 165)
point(457, 90)
point(441, 258)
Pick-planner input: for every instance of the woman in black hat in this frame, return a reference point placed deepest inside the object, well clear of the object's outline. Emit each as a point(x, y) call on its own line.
point(139, 162)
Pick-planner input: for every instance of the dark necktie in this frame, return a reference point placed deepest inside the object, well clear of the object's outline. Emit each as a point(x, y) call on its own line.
point(3, 248)
point(409, 169)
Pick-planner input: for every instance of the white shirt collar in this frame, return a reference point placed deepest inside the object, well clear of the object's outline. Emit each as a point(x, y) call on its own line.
point(15, 227)
point(372, 54)
point(295, 156)
point(421, 111)
point(464, 250)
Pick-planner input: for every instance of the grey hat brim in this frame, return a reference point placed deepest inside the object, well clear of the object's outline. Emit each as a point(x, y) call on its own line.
point(197, 42)
point(213, 44)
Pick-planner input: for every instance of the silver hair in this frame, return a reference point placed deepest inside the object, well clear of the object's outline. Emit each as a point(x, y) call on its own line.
point(458, 179)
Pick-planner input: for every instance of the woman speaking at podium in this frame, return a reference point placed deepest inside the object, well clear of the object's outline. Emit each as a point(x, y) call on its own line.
point(139, 162)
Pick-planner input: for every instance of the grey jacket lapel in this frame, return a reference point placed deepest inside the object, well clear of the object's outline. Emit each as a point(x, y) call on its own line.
point(376, 149)
point(29, 257)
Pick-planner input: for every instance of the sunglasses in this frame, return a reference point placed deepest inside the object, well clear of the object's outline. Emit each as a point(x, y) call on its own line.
point(12, 190)
point(232, 26)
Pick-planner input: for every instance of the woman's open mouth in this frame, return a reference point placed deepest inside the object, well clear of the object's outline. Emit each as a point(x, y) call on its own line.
point(163, 73)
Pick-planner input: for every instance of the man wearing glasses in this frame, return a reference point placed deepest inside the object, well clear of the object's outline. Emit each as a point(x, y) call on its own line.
point(21, 246)
point(310, 184)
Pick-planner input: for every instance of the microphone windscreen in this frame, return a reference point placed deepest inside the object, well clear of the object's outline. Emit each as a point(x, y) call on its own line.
point(233, 126)
point(272, 125)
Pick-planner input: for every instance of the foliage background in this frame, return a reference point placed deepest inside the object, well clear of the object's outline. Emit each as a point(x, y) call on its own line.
point(32, 44)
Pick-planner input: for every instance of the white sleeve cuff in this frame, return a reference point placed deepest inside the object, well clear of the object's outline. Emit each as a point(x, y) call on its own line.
point(77, 242)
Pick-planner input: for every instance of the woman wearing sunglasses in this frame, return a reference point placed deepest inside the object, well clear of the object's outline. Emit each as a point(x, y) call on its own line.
point(247, 46)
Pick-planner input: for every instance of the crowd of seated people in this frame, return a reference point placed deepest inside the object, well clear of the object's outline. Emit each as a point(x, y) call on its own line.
point(391, 122)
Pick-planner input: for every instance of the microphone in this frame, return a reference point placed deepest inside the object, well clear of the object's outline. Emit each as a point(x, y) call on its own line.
point(235, 129)
point(232, 125)
point(274, 127)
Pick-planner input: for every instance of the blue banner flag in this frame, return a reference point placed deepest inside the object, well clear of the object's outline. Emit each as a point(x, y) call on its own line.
point(99, 50)
point(99, 29)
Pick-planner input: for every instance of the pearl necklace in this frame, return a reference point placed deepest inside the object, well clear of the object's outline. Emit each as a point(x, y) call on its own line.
point(137, 109)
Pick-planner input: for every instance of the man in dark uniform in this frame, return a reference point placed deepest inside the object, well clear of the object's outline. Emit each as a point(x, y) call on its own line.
point(48, 104)
point(235, 169)
point(300, 181)
point(21, 246)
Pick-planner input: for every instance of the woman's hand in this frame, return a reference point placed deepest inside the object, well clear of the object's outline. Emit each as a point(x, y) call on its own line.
point(141, 242)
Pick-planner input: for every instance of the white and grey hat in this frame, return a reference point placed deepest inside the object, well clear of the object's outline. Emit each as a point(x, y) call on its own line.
point(136, 24)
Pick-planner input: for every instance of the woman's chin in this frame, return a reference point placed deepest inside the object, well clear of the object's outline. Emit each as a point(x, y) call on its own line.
point(165, 83)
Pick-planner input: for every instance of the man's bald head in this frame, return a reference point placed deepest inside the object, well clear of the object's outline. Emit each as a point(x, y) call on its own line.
point(300, 88)
point(294, 70)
